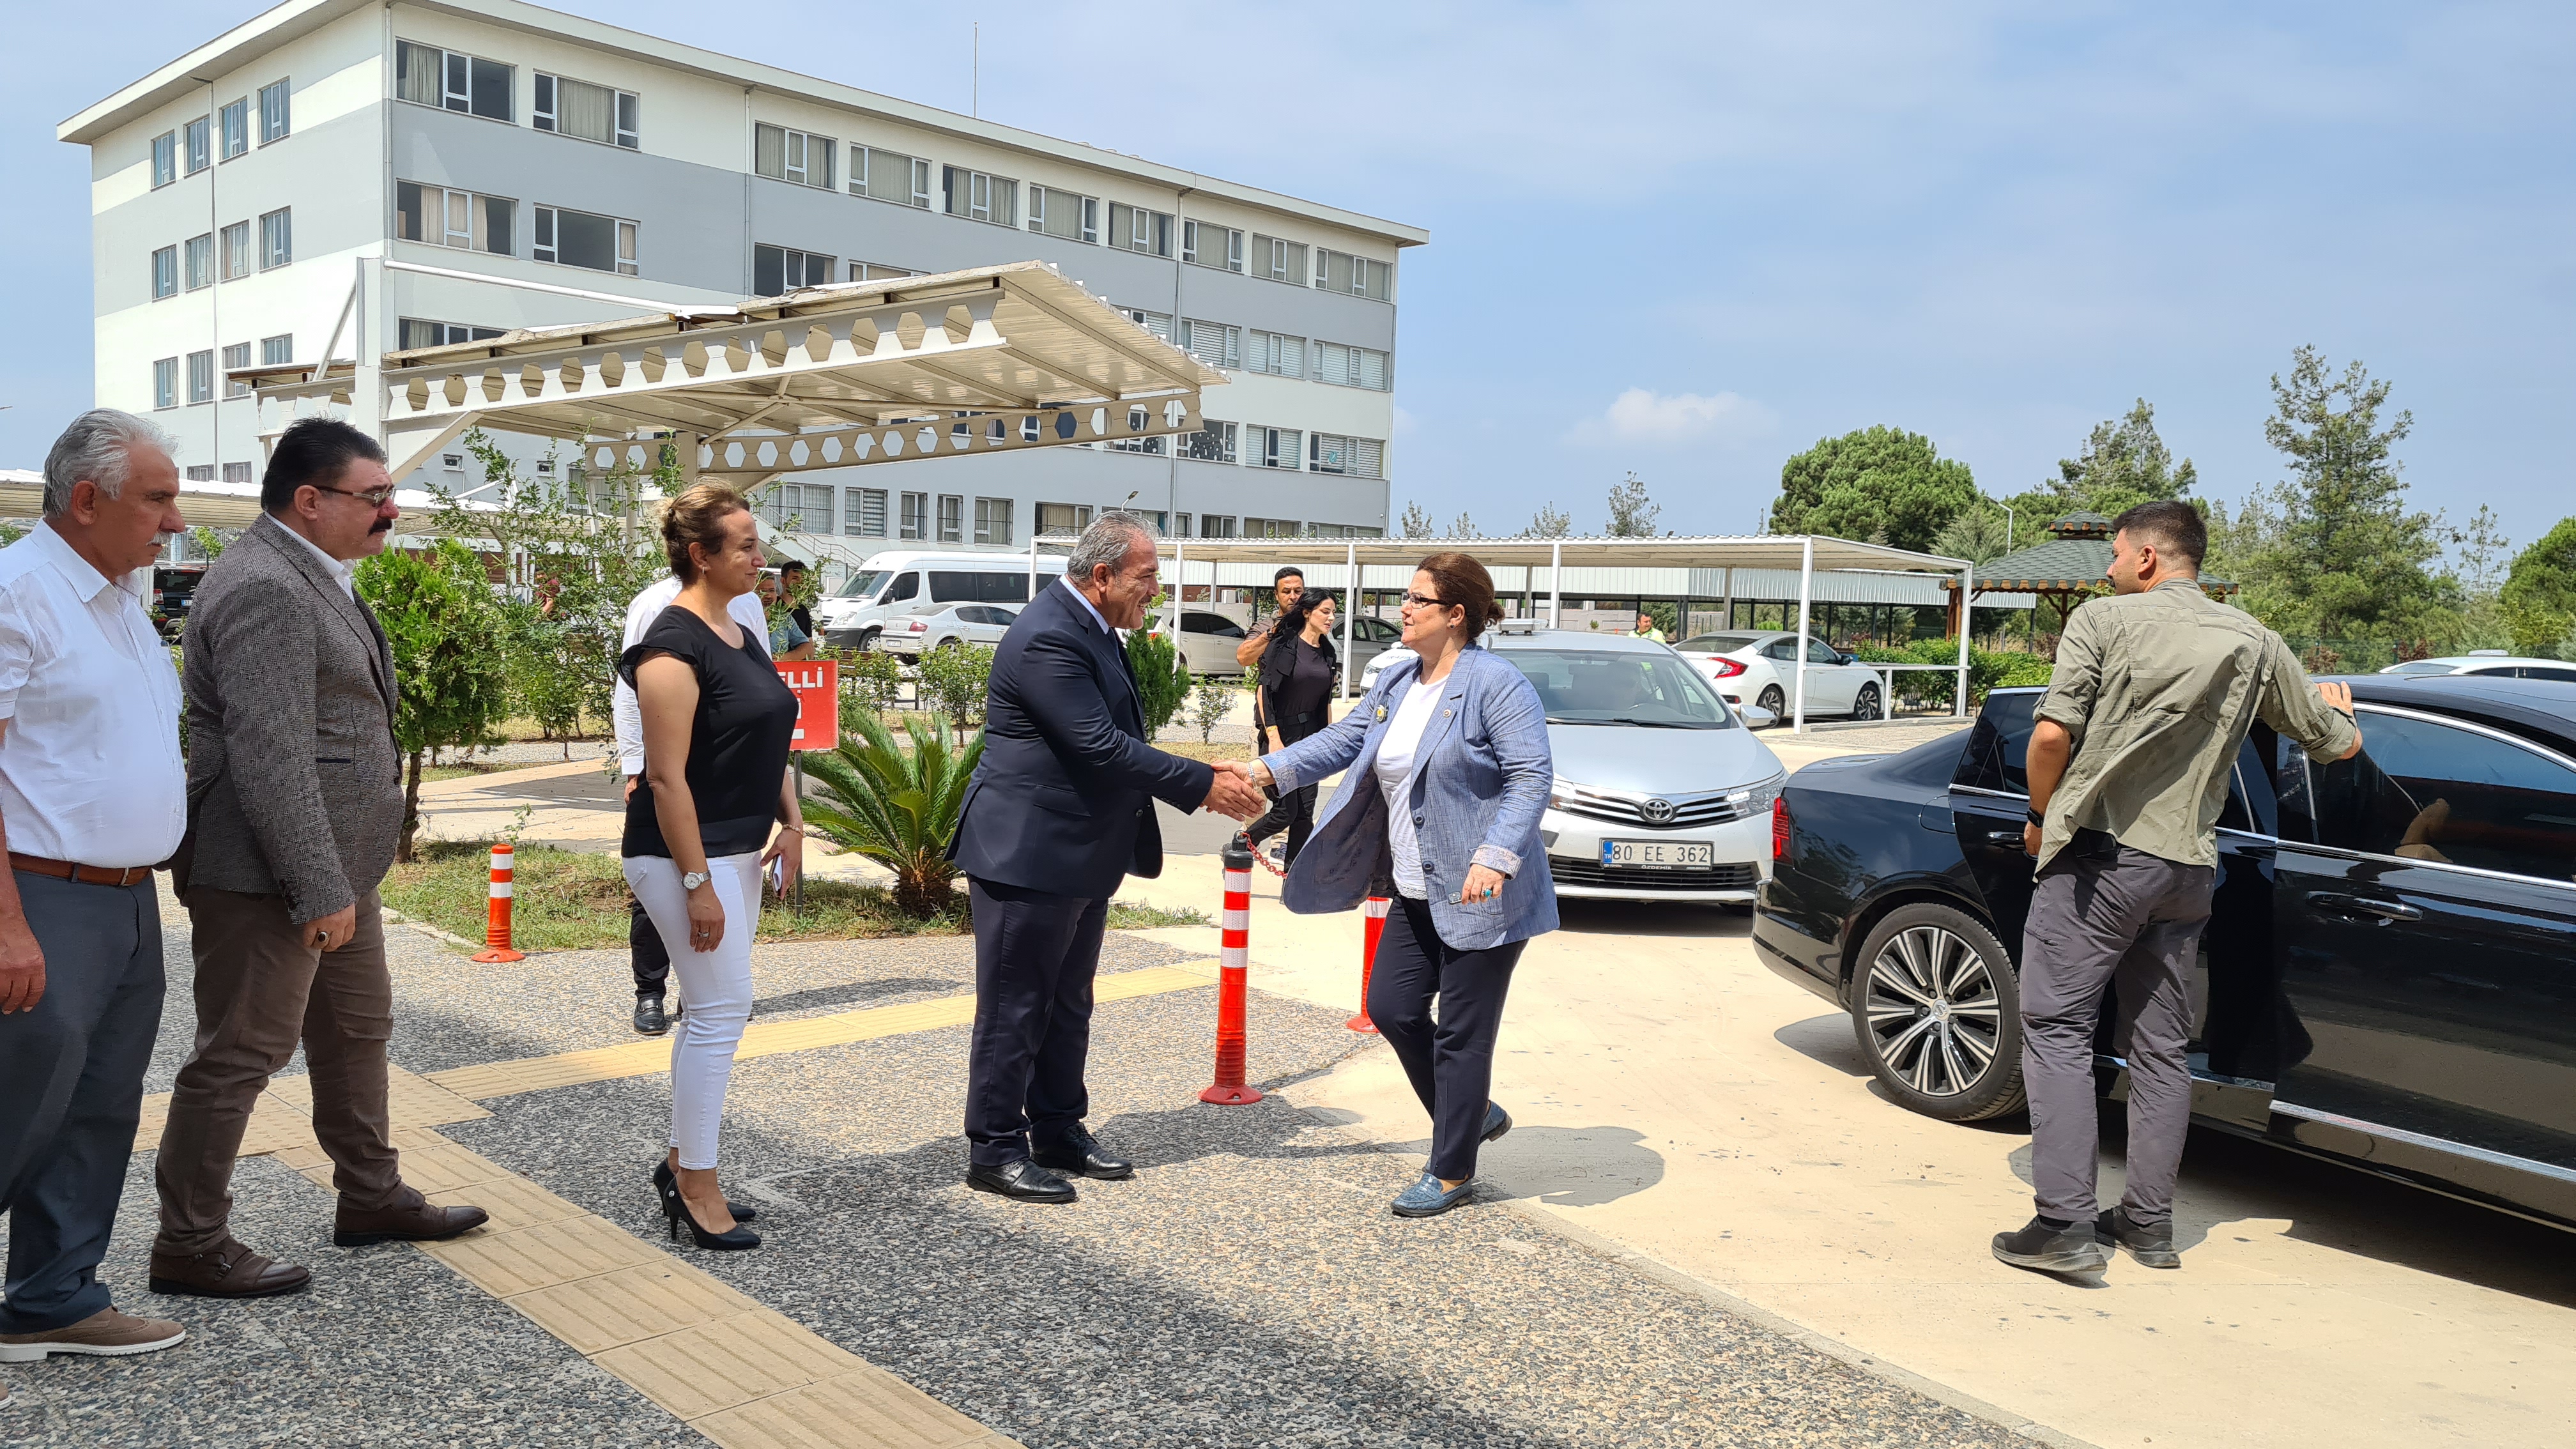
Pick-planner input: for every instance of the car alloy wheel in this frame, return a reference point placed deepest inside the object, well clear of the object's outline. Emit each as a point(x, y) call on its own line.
point(1776, 702)
point(1865, 705)
point(1935, 1006)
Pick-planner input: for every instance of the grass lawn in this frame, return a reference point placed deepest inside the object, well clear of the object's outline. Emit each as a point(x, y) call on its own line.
point(575, 900)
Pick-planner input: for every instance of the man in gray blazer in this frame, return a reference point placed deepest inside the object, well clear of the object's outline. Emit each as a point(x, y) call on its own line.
point(294, 805)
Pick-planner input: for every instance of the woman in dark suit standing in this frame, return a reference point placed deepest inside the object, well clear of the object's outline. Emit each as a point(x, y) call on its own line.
point(1449, 770)
point(1298, 672)
point(717, 725)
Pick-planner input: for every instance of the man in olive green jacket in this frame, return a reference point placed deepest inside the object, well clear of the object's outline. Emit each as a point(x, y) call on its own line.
point(2156, 687)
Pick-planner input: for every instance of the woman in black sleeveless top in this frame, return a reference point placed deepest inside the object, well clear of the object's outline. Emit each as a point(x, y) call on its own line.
point(1298, 672)
point(717, 725)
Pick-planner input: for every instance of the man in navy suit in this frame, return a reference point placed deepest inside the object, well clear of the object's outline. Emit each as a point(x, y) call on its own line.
point(1060, 809)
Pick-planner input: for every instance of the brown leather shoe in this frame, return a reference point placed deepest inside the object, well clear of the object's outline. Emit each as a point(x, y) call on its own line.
point(416, 1221)
point(104, 1334)
point(227, 1270)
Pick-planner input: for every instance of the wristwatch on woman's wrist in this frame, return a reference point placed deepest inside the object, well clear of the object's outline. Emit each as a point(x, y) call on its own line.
point(692, 879)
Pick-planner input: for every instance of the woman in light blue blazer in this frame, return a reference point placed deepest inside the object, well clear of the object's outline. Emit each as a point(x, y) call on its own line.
point(1449, 770)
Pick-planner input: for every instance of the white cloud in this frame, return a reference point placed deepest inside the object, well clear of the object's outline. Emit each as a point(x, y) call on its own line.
point(1660, 419)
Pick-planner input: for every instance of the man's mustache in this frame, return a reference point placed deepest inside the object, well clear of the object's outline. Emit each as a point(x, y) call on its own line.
point(382, 525)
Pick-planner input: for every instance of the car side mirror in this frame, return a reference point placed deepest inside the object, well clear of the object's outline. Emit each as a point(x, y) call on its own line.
point(1756, 717)
point(1846, 659)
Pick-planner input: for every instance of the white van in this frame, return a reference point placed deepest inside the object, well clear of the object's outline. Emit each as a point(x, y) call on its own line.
point(897, 583)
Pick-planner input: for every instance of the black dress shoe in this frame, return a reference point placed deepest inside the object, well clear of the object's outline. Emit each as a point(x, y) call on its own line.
point(648, 1016)
point(1021, 1179)
point(1081, 1154)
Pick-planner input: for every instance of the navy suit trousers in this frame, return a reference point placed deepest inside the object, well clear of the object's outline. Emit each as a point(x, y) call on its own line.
point(1035, 957)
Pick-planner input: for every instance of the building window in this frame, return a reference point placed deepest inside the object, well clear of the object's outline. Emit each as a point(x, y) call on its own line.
point(276, 238)
point(165, 272)
point(1216, 525)
point(583, 239)
point(1137, 230)
point(235, 128)
point(866, 514)
point(1273, 447)
point(236, 356)
point(1274, 353)
point(889, 176)
point(775, 270)
point(952, 518)
point(444, 217)
point(200, 256)
point(794, 156)
point(1358, 276)
point(165, 159)
point(420, 332)
point(277, 351)
point(1158, 323)
point(201, 376)
point(1212, 246)
point(993, 520)
point(201, 472)
point(237, 472)
point(165, 382)
point(1212, 443)
point(916, 515)
point(1062, 518)
point(1214, 343)
point(798, 508)
point(1064, 213)
point(273, 117)
point(233, 251)
point(1350, 366)
point(877, 272)
point(1334, 453)
point(569, 107)
point(1272, 528)
point(1280, 261)
point(981, 197)
point(200, 145)
point(429, 76)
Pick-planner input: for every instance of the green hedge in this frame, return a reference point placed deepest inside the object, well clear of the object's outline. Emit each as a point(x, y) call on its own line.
point(1987, 669)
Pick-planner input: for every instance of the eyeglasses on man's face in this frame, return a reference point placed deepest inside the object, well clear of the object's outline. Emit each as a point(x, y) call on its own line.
point(372, 497)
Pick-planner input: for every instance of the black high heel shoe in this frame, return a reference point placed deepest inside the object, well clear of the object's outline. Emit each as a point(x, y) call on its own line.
point(665, 1182)
point(675, 1211)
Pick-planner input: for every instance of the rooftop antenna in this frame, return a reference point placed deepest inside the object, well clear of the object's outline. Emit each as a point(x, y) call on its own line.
point(975, 70)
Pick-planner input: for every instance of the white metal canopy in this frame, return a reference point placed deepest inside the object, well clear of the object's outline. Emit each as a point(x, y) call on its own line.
point(989, 359)
point(1804, 554)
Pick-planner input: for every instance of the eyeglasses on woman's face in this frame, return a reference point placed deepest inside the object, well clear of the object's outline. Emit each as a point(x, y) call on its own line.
point(1422, 601)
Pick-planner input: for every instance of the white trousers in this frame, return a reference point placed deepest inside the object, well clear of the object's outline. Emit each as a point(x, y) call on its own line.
point(716, 985)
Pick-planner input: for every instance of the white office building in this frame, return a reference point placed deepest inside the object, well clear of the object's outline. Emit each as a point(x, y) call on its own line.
point(366, 177)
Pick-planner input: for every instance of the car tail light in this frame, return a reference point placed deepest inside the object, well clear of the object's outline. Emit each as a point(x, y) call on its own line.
point(1726, 668)
point(915, 626)
point(1780, 828)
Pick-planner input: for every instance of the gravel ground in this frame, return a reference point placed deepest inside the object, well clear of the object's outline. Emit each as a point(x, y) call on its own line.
point(1247, 1288)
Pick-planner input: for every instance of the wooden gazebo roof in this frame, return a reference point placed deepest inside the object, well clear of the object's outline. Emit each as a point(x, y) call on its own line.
point(2076, 559)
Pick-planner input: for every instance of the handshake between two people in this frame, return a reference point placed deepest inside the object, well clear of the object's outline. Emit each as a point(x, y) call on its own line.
point(1232, 792)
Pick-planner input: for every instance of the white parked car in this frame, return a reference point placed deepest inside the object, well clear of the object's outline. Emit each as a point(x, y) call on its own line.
point(1760, 668)
point(935, 626)
point(1208, 642)
point(894, 584)
point(2494, 663)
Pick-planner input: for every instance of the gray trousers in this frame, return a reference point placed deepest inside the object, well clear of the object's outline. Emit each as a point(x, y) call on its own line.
point(71, 1079)
point(2104, 913)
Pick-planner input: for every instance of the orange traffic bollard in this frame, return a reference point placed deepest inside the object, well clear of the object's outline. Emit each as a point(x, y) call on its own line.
point(1375, 928)
point(496, 931)
point(1228, 1089)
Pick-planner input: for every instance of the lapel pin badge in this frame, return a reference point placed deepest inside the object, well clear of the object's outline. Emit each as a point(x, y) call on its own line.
point(1380, 713)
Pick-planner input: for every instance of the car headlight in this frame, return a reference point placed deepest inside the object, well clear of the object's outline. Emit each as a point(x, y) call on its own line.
point(1564, 794)
point(1757, 799)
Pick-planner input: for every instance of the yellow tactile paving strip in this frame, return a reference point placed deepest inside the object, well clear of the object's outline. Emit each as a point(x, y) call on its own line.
point(744, 1376)
point(761, 1039)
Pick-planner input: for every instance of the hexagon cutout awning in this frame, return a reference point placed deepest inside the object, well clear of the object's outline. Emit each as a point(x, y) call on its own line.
point(989, 359)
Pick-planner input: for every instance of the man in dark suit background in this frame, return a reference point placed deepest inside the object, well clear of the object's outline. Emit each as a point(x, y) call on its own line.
point(1060, 809)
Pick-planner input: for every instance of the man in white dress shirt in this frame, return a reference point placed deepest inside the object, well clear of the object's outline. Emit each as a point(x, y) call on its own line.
point(93, 794)
point(650, 959)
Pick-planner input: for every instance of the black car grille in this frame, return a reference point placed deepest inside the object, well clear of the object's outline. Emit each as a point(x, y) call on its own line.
point(1737, 877)
point(1702, 810)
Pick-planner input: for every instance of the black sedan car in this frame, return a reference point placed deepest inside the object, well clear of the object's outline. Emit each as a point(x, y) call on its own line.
point(2388, 978)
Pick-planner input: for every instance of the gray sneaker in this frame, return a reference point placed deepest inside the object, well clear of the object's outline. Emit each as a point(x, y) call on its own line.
point(2152, 1247)
point(2070, 1249)
point(104, 1334)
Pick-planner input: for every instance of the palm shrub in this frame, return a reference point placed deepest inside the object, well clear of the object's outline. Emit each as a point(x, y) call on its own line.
point(898, 806)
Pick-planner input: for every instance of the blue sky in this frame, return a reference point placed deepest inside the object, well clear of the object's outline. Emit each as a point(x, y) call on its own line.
point(1690, 239)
